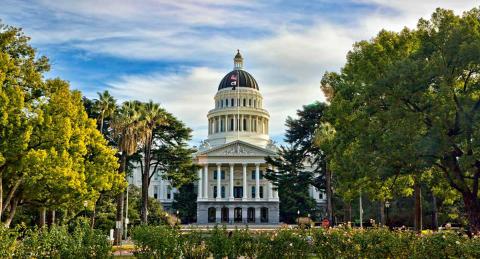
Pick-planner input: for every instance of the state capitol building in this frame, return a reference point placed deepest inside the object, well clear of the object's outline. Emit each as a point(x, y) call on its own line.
point(231, 187)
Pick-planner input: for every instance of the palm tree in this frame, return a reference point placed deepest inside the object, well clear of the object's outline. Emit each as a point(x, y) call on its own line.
point(126, 126)
point(105, 105)
point(152, 116)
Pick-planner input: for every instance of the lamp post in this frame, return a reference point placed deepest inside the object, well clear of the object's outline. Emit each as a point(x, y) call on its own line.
point(298, 217)
point(177, 216)
point(387, 206)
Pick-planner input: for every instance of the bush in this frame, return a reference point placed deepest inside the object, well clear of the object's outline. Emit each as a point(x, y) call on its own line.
point(156, 241)
point(319, 243)
point(56, 242)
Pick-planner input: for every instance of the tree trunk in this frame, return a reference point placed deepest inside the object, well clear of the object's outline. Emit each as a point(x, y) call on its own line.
point(145, 180)
point(51, 220)
point(10, 194)
point(94, 214)
point(472, 209)
point(434, 213)
point(347, 212)
point(11, 214)
point(328, 188)
point(101, 123)
point(382, 213)
point(43, 216)
point(418, 206)
point(120, 198)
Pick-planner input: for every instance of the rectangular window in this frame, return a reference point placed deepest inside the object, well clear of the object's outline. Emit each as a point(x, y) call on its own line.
point(261, 192)
point(169, 193)
point(261, 174)
point(155, 191)
point(253, 191)
point(238, 192)
point(222, 175)
point(253, 175)
point(214, 191)
point(223, 192)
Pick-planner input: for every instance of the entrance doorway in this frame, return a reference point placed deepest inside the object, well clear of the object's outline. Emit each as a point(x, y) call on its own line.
point(237, 214)
point(251, 214)
point(238, 192)
point(224, 214)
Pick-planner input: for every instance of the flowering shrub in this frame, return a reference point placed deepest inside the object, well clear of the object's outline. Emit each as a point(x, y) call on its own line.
point(299, 243)
point(55, 242)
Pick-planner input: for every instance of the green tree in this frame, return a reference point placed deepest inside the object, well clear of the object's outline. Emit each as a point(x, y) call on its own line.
point(407, 102)
point(52, 156)
point(300, 136)
point(152, 116)
point(105, 106)
point(126, 126)
point(185, 201)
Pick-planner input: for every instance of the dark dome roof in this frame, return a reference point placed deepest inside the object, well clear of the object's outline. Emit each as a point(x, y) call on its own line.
point(238, 77)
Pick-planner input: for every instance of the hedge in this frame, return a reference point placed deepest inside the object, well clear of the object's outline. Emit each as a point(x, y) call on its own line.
point(55, 242)
point(167, 242)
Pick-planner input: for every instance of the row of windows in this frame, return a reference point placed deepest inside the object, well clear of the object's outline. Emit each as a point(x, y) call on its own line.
point(249, 124)
point(231, 102)
point(237, 215)
point(222, 174)
point(237, 193)
point(156, 192)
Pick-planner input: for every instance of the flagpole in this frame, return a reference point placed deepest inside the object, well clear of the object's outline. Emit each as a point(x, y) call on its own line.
point(238, 105)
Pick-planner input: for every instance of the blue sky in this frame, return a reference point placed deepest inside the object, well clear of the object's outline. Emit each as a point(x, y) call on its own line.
point(176, 52)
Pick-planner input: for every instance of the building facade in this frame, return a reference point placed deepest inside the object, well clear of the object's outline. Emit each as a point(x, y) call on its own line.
point(231, 186)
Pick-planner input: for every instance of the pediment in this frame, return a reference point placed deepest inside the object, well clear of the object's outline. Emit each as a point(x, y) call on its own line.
point(237, 148)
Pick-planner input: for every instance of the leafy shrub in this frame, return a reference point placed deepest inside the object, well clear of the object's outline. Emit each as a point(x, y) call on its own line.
point(156, 241)
point(56, 242)
point(167, 242)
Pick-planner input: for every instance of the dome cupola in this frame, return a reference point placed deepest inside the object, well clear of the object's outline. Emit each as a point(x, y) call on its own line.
point(238, 77)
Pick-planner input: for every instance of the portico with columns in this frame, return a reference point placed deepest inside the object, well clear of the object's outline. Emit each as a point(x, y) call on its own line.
point(232, 187)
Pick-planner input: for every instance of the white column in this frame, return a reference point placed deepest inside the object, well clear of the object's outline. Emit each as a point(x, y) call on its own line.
point(275, 192)
point(234, 123)
point(200, 185)
point(257, 181)
point(231, 182)
point(245, 191)
point(225, 124)
point(205, 181)
point(219, 181)
point(270, 187)
point(161, 189)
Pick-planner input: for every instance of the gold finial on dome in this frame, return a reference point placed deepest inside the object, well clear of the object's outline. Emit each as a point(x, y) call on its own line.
point(238, 61)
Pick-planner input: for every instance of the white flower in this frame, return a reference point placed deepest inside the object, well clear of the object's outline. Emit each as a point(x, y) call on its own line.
point(457, 242)
point(291, 244)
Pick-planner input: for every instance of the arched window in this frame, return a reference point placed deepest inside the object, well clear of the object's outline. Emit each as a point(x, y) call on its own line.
point(244, 102)
point(264, 215)
point(251, 214)
point(211, 214)
point(231, 103)
point(250, 102)
point(231, 124)
point(245, 124)
point(221, 103)
point(237, 214)
point(225, 214)
point(255, 103)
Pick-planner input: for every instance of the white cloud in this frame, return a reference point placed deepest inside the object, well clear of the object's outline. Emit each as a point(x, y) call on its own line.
point(287, 58)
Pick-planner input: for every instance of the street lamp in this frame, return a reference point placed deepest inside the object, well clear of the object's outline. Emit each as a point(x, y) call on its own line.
point(298, 217)
point(177, 216)
point(387, 206)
